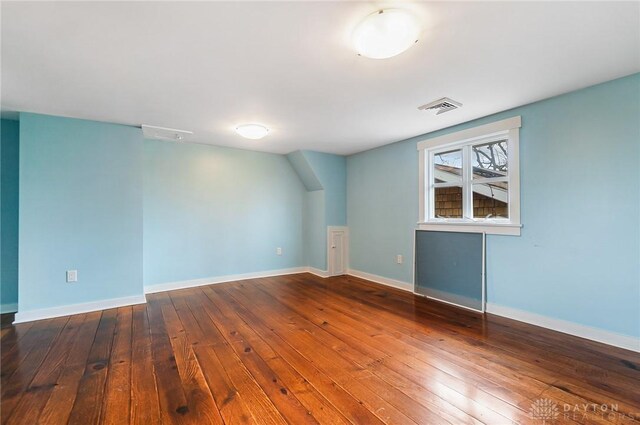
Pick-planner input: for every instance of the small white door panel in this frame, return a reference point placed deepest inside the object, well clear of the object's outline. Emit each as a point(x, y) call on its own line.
point(337, 249)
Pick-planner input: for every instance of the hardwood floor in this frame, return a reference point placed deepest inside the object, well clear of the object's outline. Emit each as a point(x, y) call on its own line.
point(299, 349)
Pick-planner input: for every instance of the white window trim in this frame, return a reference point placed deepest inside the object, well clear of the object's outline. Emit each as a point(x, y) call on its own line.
point(509, 127)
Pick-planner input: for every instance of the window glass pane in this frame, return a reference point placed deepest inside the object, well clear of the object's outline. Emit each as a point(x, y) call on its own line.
point(448, 202)
point(447, 166)
point(489, 159)
point(491, 200)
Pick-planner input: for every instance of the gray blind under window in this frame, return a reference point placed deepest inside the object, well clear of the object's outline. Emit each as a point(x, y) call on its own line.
point(449, 267)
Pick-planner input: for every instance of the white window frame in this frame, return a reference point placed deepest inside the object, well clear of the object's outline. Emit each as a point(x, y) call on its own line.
point(464, 140)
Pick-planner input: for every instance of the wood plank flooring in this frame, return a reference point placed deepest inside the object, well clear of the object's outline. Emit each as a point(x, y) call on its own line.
point(299, 349)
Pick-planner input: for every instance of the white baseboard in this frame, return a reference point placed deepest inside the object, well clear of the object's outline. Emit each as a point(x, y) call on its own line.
point(183, 284)
point(66, 310)
point(317, 272)
point(398, 284)
point(8, 308)
point(48, 313)
point(571, 328)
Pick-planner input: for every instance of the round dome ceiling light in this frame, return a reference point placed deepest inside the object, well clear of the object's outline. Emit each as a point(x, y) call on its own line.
point(252, 131)
point(386, 33)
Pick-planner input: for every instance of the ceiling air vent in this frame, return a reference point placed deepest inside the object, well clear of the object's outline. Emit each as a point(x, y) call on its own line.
point(441, 105)
point(162, 133)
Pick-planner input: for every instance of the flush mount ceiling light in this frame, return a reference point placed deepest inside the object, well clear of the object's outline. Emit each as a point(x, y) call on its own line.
point(252, 131)
point(386, 33)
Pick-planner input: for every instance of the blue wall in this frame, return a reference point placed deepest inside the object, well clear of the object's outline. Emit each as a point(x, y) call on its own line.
point(127, 212)
point(382, 209)
point(578, 258)
point(212, 211)
point(314, 220)
point(307, 174)
point(331, 171)
point(315, 230)
point(9, 154)
point(80, 208)
point(325, 178)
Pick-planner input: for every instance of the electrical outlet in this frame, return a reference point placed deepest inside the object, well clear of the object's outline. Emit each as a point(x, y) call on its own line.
point(399, 259)
point(278, 251)
point(72, 275)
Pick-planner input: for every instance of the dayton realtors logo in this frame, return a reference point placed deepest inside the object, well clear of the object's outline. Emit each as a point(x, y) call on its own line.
point(544, 409)
point(548, 411)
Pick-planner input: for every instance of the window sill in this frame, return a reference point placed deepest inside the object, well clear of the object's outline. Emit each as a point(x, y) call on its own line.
point(472, 227)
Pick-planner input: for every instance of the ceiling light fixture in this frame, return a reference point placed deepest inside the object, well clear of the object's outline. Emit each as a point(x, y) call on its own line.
point(386, 33)
point(252, 131)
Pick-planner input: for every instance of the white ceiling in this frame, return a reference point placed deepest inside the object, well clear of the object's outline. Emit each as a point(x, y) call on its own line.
point(206, 67)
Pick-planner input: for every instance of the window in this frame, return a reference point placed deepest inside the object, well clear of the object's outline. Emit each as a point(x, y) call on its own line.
point(470, 180)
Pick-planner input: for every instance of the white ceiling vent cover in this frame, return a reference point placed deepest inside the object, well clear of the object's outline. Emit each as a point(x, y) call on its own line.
point(162, 133)
point(441, 105)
